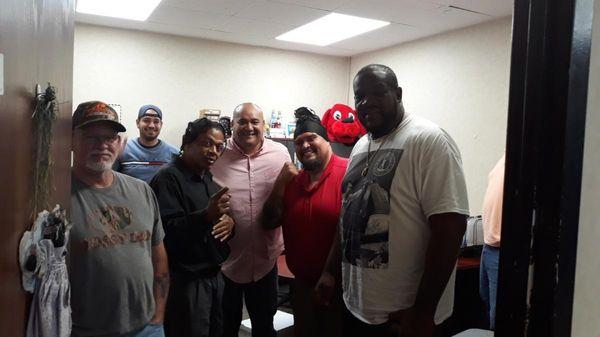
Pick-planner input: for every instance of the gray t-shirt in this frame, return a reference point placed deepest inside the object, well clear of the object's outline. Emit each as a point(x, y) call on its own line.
point(110, 257)
point(413, 173)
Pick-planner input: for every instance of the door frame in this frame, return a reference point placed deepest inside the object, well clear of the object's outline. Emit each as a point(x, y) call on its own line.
point(550, 63)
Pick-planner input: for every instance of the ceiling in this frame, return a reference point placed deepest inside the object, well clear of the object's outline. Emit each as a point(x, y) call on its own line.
point(258, 22)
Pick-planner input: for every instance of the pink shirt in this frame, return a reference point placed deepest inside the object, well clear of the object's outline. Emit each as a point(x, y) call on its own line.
point(492, 205)
point(254, 251)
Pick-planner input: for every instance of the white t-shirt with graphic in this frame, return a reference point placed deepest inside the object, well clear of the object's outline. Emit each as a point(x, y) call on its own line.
point(416, 173)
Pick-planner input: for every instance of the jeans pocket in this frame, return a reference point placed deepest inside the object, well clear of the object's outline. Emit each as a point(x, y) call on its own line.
point(153, 330)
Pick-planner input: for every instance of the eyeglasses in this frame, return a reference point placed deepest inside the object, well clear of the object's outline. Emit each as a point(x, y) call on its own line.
point(100, 139)
point(208, 144)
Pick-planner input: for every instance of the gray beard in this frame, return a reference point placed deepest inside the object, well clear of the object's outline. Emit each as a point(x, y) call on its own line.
point(99, 166)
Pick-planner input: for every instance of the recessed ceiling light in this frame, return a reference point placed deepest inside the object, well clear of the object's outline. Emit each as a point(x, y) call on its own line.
point(138, 10)
point(331, 28)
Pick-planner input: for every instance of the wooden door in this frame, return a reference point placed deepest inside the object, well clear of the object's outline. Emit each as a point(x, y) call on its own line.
point(36, 41)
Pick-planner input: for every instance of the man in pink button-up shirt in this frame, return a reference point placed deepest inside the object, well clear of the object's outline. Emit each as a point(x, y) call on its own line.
point(249, 167)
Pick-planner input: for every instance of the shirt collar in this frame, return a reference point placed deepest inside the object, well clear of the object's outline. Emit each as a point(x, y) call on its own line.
point(147, 147)
point(233, 145)
point(305, 178)
point(405, 120)
point(189, 174)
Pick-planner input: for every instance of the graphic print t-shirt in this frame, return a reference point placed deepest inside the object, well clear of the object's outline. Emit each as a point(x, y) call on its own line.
point(416, 173)
point(110, 257)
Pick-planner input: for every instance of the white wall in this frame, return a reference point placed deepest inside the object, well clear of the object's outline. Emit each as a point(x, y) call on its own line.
point(460, 81)
point(183, 75)
point(586, 307)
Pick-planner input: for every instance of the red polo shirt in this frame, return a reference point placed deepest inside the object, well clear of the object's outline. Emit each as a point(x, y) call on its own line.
point(310, 219)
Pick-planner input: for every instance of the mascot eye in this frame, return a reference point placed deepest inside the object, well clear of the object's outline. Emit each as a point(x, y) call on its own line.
point(351, 116)
point(337, 115)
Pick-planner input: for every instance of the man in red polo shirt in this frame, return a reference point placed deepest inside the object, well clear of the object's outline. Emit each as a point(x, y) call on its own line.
point(307, 205)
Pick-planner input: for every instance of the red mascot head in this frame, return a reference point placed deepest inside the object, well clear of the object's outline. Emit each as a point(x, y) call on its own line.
point(342, 124)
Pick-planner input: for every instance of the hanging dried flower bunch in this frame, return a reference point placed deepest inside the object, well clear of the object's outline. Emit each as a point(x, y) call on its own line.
point(43, 119)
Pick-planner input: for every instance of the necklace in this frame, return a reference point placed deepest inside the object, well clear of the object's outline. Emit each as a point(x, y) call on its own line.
point(369, 158)
point(387, 137)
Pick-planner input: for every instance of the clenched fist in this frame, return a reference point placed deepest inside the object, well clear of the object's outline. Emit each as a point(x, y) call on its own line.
point(287, 173)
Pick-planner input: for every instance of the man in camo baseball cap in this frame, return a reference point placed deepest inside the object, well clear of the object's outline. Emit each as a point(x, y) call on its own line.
point(94, 112)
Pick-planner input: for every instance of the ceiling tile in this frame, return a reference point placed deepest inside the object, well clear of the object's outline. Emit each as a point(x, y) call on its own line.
point(280, 13)
point(496, 8)
point(208, 34)
point(243, 26)
point(226, 7)
point(328, 5)
point(406, 12)
point(448, 18)
point(189, 18)
point(381, 38)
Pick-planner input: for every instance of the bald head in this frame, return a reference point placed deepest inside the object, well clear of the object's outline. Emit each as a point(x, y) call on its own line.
point(248, 127)
point(247, 107)
point(385, 72)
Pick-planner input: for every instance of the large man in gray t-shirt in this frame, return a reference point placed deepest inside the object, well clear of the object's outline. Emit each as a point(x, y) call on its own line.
point(118, 264)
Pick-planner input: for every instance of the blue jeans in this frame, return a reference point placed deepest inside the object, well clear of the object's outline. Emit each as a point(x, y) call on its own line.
point(151, 330)
point(488, 280)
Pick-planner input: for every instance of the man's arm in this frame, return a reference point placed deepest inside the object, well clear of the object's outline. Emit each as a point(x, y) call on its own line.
point(161, 282)
point(447, 231)
point(272, 212)
point(331, 272)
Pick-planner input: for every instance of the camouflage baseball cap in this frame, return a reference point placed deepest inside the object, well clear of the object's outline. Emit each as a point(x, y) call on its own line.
point(93, 112)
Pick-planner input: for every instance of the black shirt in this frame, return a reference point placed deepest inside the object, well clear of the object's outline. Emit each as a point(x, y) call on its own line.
point(183, 197)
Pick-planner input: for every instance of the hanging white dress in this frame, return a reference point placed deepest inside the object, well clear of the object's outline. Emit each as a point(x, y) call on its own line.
point(50, 314)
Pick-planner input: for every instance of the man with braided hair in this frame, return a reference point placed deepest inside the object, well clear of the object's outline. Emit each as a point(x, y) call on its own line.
point(307, 205)
point(194, 211)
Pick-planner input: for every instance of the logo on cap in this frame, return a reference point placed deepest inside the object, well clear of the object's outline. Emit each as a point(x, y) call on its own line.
point(101, 111)
point(95, 111)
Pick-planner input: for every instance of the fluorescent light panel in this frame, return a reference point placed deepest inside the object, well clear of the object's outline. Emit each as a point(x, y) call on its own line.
point(138, 10)
point(331, 28)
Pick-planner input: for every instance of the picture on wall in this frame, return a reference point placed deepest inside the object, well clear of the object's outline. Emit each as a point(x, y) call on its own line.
point(212, 114)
